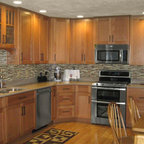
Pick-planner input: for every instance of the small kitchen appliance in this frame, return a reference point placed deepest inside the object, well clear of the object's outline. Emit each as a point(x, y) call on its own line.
point(71, 75)
point(57, 74)
point(111, 87)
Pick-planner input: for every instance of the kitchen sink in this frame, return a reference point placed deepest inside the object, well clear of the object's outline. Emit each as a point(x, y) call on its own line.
point(9, 90)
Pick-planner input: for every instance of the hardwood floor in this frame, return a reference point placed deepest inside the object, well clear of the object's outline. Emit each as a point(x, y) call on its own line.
point(88, 133)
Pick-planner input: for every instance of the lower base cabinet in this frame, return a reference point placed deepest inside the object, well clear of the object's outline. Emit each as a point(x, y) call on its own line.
point(72, 103)
point(20, 115)
point(1, 127)
point(83, 103)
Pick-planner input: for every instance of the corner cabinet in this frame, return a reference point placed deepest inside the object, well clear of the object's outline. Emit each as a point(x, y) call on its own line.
point(82, 47)
point(59, 40)
point(112, 30)
point(20, 115)
point(7, 27)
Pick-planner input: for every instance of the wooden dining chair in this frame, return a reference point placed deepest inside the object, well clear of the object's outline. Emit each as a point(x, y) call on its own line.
point(117, 124)
point(134, 112)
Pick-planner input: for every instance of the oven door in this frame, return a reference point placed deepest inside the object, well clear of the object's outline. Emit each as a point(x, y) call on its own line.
point(101, 97)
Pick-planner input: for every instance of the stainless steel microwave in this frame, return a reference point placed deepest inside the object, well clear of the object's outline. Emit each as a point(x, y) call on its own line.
point(113, 54)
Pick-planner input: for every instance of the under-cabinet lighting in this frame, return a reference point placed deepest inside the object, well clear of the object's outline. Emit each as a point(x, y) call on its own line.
point(80, 16)
point(42, 11)
point(143, 13)
point(17, 2)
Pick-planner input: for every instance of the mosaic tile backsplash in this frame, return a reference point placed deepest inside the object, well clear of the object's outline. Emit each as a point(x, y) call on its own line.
point(87, 72)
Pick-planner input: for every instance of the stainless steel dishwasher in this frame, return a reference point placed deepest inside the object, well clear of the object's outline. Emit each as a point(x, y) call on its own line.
point(43, 107)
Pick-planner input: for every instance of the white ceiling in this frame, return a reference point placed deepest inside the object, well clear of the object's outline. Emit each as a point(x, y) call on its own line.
point(88, 8)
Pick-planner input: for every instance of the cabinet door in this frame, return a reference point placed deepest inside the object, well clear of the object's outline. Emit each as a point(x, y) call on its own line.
point(120, 30)
point(1, 127)
point(89, 49)
point(62, 30)
point(36, 39)
point(78, 41)
point(13, 119)
point(10, 27)
point(40, 39)
point(137, 41)
point(59, 41)
point(83, 110)
point(44, 39)
point(28, 117)
point(103, 30)
point(26, 36)
point(137, 95)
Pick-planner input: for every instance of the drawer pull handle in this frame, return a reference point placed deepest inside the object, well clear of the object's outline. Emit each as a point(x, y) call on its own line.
point(141, 97)
point(22, 97)
point(65, 111)
point(66, 99)
point(65, 88)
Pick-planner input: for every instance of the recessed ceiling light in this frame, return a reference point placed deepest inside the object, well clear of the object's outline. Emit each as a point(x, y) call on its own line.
point(80, 16)
point(17, 2)
point(43, 11)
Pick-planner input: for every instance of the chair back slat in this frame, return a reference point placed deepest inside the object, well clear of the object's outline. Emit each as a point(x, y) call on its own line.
point(116, 122)
point(134, 112)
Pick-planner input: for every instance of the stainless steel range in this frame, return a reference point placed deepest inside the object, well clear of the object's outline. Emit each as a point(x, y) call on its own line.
point(111, 87)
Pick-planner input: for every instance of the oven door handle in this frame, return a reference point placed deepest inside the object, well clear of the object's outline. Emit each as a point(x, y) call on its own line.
point(107, 88)
point(104, 102)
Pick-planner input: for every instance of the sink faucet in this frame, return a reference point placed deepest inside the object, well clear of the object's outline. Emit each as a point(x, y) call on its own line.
point(1, 81)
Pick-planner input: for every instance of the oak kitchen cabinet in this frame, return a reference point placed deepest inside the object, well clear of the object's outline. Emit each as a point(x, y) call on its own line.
point(82, 48)
point(83, 103)
point(59, 40)
point(40, 39)
point(137, 94)
point(25, 34)
point(7, 27)
point(112, 30)
point(20, 115)
point(53, 103)
point(137, 40)
point(2, 122)
point(65, 102)
point(33, 38)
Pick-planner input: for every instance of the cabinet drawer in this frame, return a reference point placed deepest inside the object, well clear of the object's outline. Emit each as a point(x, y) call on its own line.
point(1, 104)
point(83, 88)
point(65, 88)
point(65, 99)
point(18, 98)
point(65, 112)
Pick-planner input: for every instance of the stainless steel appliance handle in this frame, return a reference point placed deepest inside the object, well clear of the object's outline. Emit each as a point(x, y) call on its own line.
point(107, 88)
point(104, 102)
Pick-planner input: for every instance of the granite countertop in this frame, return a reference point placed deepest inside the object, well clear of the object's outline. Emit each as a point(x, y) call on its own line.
point(35, 86)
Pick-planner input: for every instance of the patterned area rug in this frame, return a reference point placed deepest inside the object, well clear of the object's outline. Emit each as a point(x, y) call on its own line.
point(52, 136)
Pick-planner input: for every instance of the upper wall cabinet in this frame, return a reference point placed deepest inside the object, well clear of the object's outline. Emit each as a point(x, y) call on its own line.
point(33, 35)
point(137, 40)
point(59, 40)
point(26, 41)
point(112, 30)
point(40, 39)
point(82, 48)
point(7, 27)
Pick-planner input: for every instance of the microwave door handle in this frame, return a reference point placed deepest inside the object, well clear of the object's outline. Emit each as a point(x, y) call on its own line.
point(104, 88)
point(121, 56)
point(104, 102)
